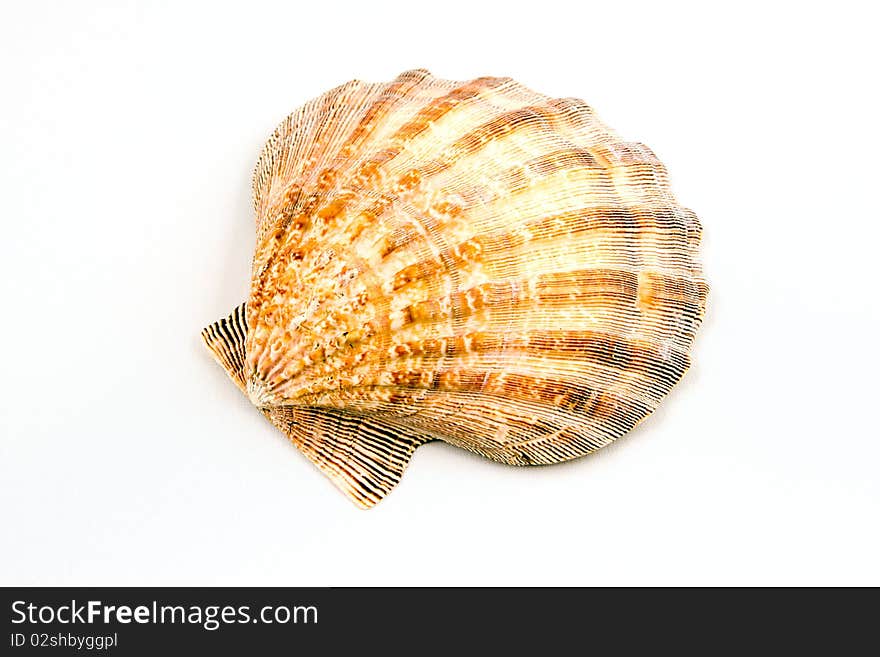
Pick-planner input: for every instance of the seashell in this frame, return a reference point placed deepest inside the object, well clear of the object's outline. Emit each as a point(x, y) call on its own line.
point(472, 262)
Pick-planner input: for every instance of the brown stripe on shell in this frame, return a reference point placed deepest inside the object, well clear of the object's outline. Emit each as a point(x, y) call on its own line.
point(560, 355)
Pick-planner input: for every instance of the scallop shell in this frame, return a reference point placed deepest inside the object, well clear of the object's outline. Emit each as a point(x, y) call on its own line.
point(472, 262)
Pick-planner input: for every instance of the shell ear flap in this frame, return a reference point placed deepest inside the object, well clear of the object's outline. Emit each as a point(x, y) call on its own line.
point(363, 457)
point(225, 340)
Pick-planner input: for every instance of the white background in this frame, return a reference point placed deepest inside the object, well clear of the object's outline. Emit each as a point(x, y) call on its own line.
point(128, 136)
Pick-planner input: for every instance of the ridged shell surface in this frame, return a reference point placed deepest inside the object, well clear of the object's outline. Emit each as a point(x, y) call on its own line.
point(466, 261)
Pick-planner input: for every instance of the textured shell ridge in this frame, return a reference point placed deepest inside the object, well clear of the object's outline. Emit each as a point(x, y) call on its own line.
point(472, 262)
